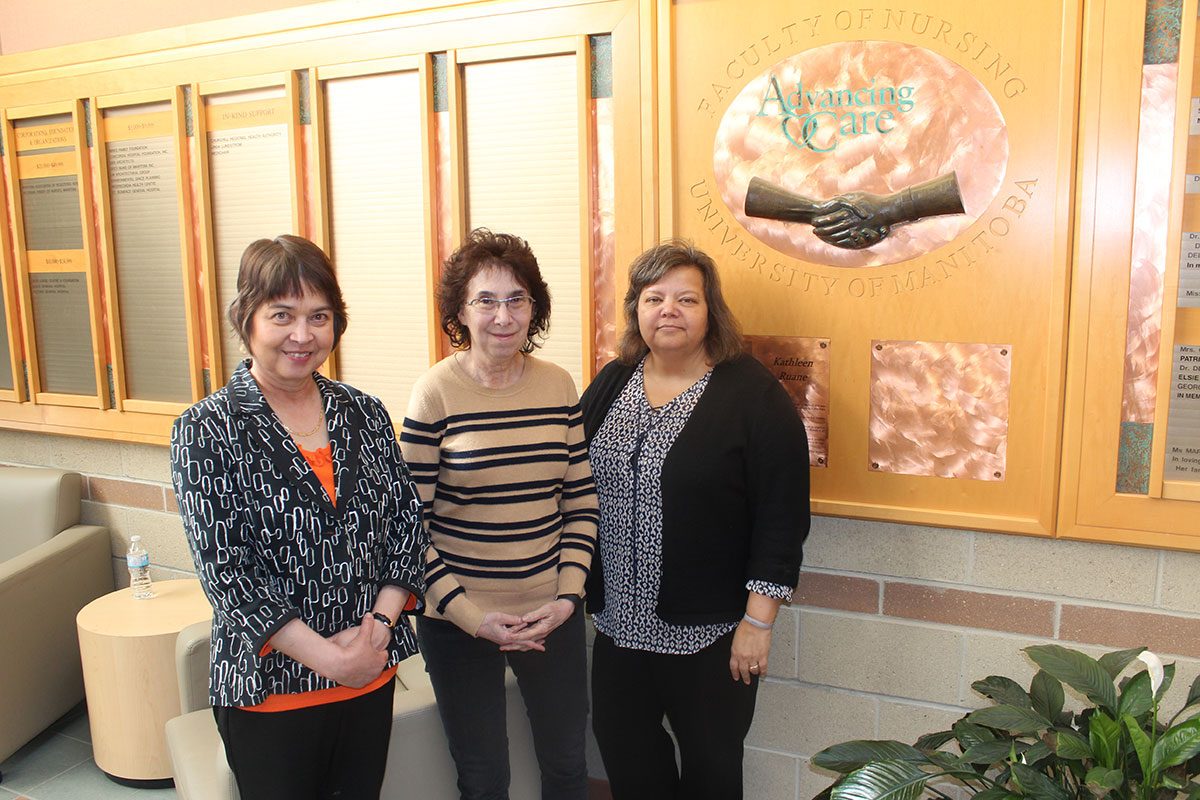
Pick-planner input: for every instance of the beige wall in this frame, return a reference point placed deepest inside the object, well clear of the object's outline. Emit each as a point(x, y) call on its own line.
point(890, 625)
point(36, 24)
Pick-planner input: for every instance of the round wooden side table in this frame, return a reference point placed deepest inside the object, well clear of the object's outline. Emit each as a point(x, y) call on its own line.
point(128, 652)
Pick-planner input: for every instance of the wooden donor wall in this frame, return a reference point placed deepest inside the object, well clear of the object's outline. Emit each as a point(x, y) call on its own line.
point(138, 171)
point(942, 226)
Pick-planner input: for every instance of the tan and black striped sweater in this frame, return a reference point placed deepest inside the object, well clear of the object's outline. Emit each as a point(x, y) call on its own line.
point(507, 489)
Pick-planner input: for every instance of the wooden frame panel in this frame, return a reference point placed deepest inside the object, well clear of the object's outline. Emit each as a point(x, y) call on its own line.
point(433, 267)
point(173, 96)
point(706, 56)
point(577, 46)
point(587, 205)
point(217, 57)
point(213, 314)
point(319, 164)
point(1090, 507)
point(82, 176)
point(8, 297)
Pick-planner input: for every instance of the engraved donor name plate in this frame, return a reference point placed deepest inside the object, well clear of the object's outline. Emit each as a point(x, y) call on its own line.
point(1189, 270)
point(249, 171)
point(64, 338)
point(802, 365)
point(145, 215)
point(1182, 460)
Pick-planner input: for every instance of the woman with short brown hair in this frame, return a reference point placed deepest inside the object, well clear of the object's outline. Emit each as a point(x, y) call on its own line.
point(306, 532)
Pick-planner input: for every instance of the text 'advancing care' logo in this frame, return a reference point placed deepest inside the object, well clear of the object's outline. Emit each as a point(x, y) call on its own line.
point(818, 119)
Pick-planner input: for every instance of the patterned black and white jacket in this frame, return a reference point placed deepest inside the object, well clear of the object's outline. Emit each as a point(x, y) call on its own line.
point(269, 545)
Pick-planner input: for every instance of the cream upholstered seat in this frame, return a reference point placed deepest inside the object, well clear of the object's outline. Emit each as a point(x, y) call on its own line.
point(419, 763)
point(50, 568)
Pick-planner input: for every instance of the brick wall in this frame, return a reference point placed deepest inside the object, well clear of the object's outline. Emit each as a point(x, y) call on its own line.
point(127, 488)
point(887, 631)
point(892, 623)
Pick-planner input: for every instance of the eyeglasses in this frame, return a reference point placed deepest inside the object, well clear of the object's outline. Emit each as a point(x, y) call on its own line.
point(491, 305)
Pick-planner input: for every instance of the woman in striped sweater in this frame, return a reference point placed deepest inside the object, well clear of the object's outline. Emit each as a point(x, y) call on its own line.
point(494, 440)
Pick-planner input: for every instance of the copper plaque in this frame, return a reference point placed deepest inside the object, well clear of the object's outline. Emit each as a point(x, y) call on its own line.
point(940, 409)
point(861, 116)
point(802, 365)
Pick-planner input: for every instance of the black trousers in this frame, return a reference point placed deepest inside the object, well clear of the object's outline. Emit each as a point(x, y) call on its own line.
point(468, 680)
point(337, 750)
point(709, 713)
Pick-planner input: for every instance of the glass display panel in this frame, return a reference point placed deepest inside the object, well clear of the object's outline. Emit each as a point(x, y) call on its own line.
point(377, 219)
point(250, 184)
point(143, 197)
point(522, 134)
point(64, 336)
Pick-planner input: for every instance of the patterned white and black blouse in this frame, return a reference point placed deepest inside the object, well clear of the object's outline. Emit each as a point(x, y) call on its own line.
point(269, 545)
point(627, 456)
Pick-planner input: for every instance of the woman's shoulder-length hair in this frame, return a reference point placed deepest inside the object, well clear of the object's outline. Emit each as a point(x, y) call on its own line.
point(723, 341)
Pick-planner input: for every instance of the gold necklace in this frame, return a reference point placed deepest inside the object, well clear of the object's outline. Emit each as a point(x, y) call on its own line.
point(302, 434)
point(310, 431)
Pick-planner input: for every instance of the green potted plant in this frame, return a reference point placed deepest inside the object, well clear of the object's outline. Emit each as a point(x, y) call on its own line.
point(1029, 745)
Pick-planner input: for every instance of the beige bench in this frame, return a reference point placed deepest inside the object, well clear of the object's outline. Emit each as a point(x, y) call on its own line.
point(419, 763)
point(50, 568)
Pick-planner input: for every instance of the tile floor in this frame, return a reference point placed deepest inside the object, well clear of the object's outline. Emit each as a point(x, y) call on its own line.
point(58, 765)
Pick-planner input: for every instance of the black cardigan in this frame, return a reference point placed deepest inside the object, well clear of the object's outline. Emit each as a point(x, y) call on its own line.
point(734, 493)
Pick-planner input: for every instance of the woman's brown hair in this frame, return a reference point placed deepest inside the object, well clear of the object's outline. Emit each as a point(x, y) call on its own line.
point(283, 267)
point(481, 250)
point(723, 341)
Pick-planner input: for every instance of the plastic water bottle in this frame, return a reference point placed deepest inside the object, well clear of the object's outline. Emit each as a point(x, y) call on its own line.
point(138, 561)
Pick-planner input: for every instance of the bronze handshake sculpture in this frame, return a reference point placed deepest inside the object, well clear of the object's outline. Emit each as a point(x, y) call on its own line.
point(855, 220)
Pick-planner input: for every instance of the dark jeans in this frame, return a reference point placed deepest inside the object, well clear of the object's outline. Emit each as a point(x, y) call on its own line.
point(468, 680)
point(709, 712)
point(338, 750)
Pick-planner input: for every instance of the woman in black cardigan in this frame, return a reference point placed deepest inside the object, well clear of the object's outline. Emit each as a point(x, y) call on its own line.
point(701, 465)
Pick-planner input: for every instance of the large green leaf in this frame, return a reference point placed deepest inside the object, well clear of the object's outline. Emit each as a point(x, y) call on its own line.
point(1104, 780)
point(1081, 672)
point(1177, 745)
point(969, 734)
point(882, 780)
point(1046, 694)
point(1116, 661)
point(1141, 744)
point(849, 756)
point(1036, 753)
point(1135, 696)
point(1104, 735)
point(1071, 746)
point(1037, 786)
point(988, 752)
point(1003, 690)
point(1010, 718)
point(932, 741)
